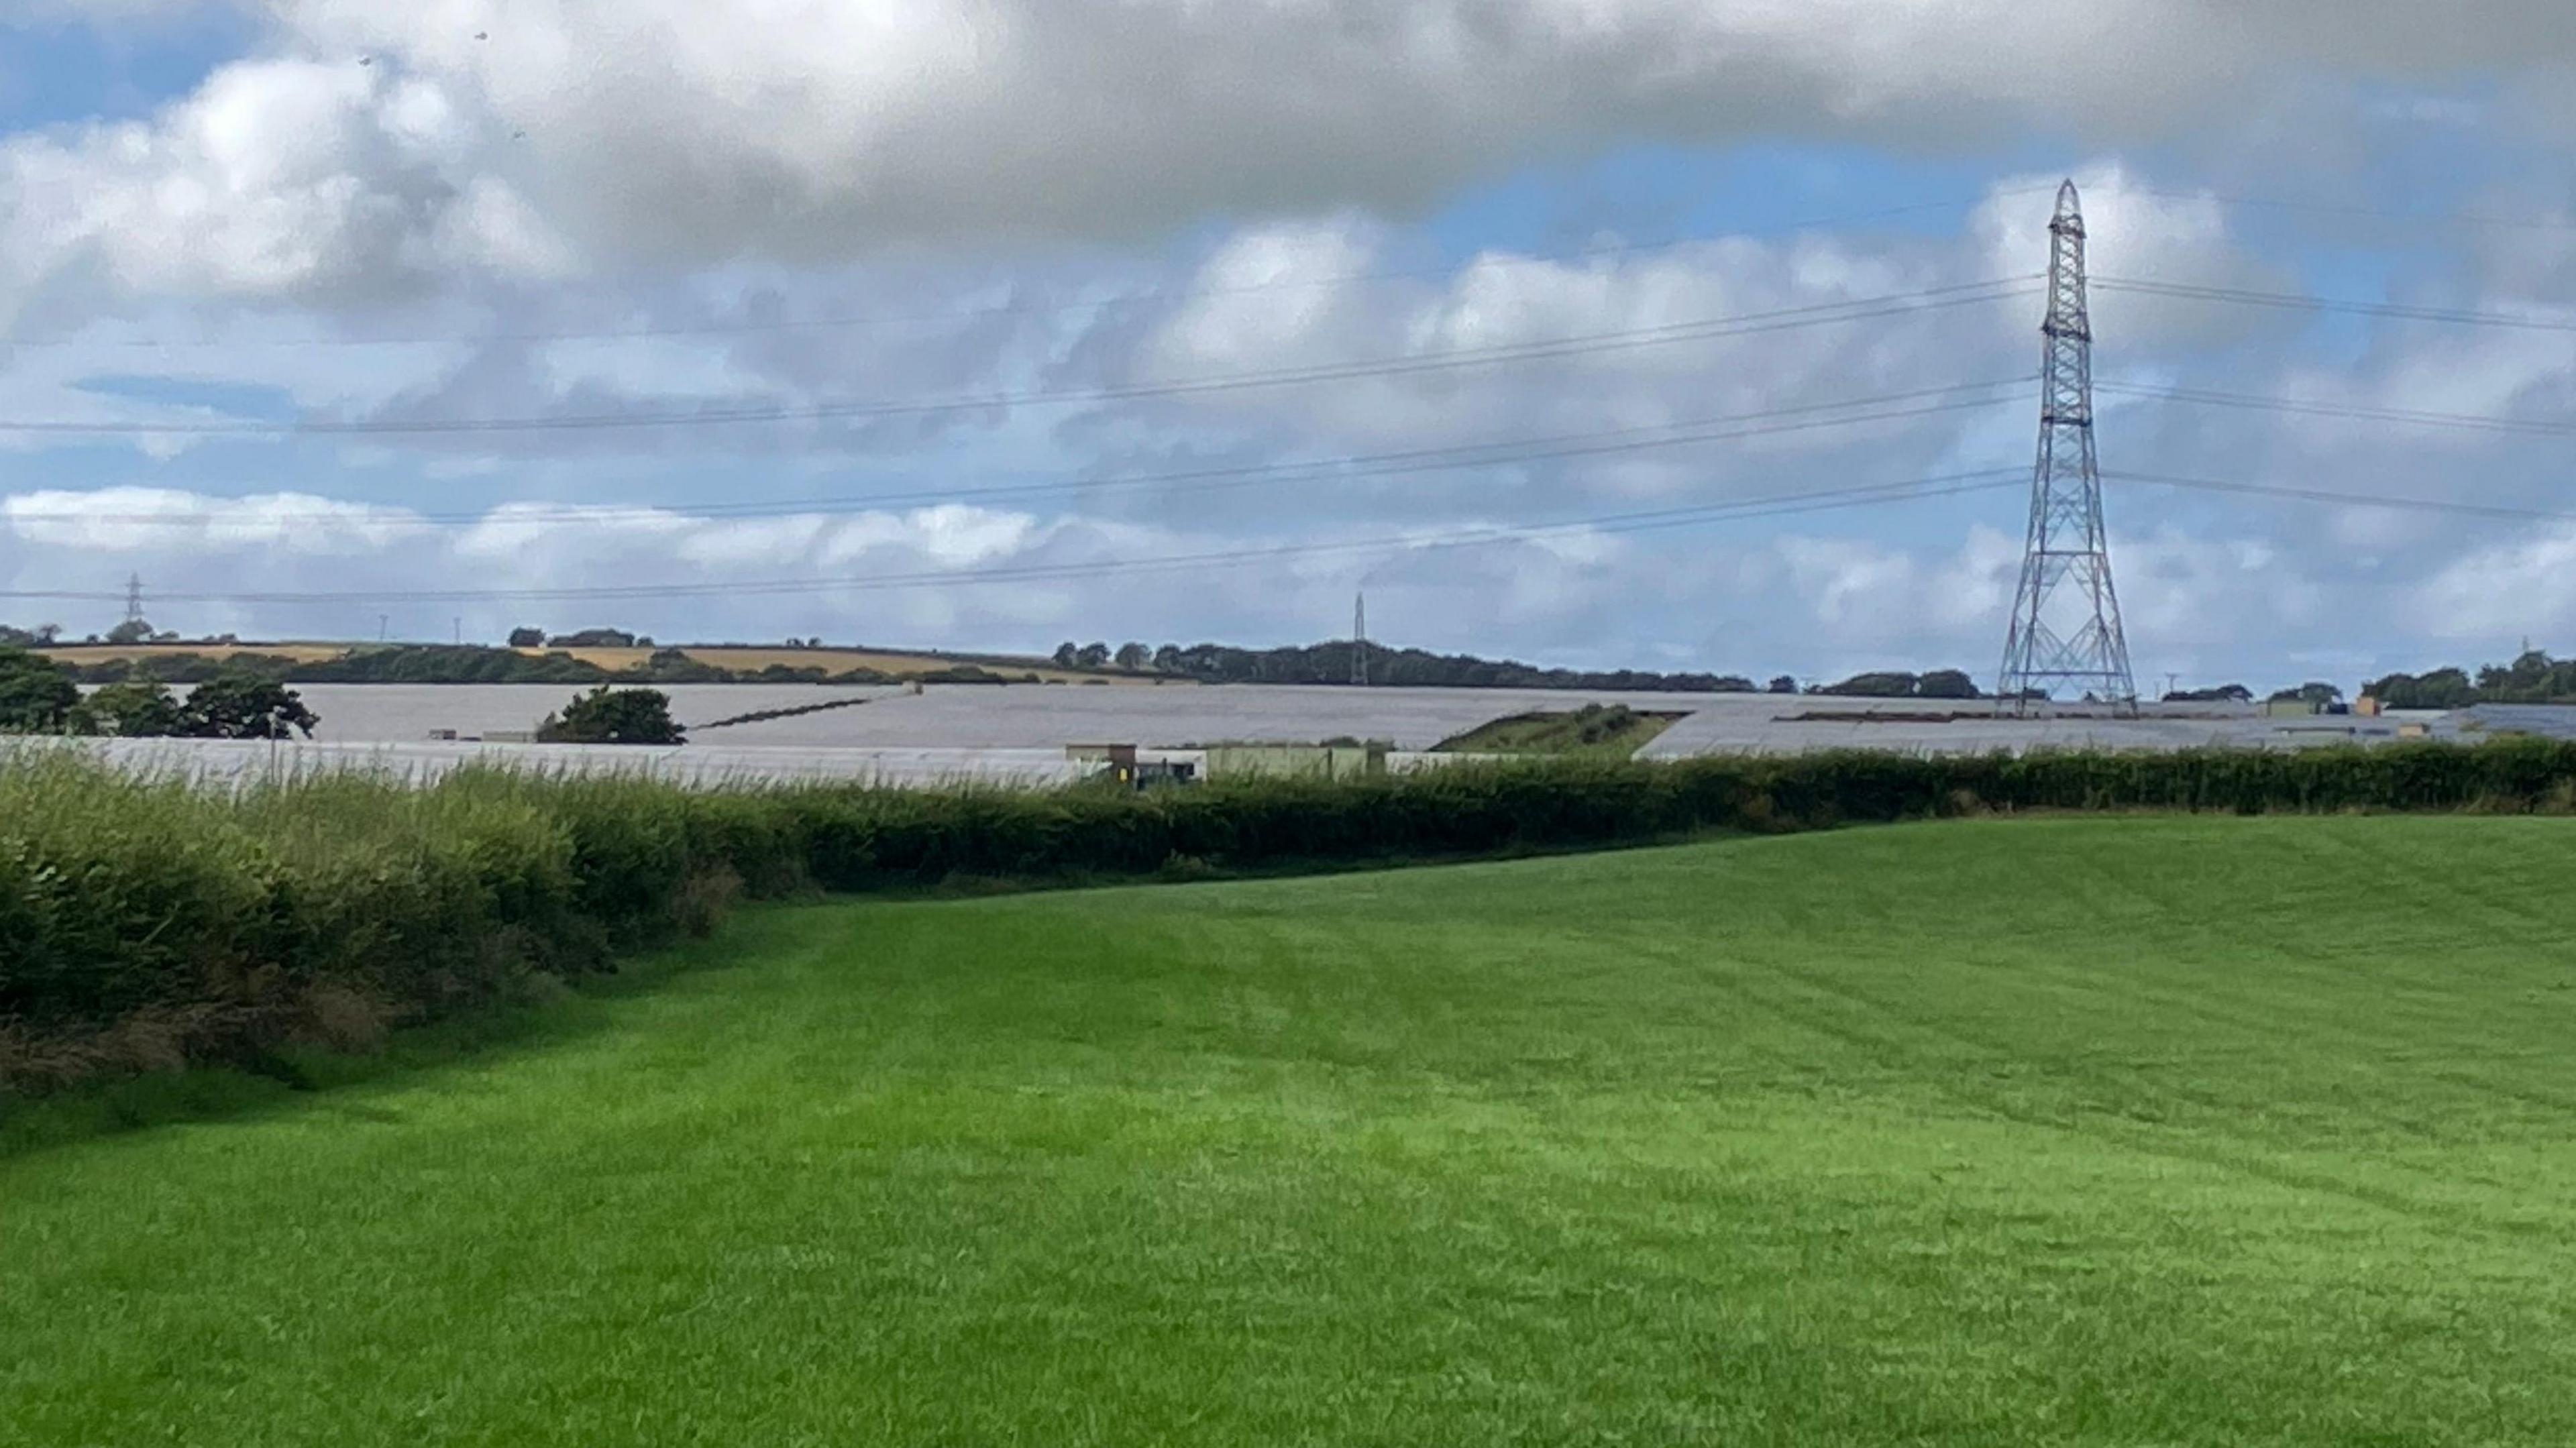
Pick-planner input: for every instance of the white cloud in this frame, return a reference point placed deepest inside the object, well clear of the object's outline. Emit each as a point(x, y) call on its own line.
point(618, 132)
point(2525, 587)
point(277, 179)
point(163, 522)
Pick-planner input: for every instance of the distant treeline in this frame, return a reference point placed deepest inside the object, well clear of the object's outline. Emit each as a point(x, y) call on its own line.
point(471, 664)
point(1330, 663)
point(2534, 678)
point(39, 696)
point(1939, 684)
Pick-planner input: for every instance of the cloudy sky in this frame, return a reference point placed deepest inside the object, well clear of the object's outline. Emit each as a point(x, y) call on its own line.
point(1657, 333)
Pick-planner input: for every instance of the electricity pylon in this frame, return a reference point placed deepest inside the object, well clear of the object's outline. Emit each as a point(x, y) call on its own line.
point(2066, 632)
point(1359, 641)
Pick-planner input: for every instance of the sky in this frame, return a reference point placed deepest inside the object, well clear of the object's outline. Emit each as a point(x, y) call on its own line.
point(1662, 334)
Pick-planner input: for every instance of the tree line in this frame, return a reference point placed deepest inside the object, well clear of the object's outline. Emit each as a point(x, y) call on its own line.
point(38, 696)
point(2533, 678)
point(1330, 663)
point(476, 664)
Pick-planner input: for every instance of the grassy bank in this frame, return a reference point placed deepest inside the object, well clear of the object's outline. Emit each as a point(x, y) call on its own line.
point(2064, 1132)
point(144, 924)
point(1600, 731)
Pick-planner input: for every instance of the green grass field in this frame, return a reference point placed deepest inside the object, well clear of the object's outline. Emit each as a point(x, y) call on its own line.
point(1595, 731)
point(2104, 1131)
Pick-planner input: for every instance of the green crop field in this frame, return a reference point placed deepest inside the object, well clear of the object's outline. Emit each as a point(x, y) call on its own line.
point(2105, 1131)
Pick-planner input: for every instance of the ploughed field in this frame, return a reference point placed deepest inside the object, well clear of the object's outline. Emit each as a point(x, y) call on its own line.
point(2084, 1131)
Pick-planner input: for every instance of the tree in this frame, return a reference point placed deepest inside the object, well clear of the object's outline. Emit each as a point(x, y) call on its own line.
point(1888, 685)
point(1093, 656)
point(1068, 654)
point(2320, 695)
point(37, 696)
point(132, 631)
point(1784, 685)
point(1134, 657)
point(614, 716)
point(527, 638)
point(1167, 659)
point(236, 705)
point(2224, 694)
point(1946, 684)
point(136, 709)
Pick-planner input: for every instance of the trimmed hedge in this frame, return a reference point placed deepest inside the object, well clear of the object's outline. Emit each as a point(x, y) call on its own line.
point(146, 923)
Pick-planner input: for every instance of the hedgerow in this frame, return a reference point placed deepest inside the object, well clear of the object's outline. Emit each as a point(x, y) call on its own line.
point(152, 922)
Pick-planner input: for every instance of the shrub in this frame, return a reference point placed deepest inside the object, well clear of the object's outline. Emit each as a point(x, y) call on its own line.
point(614, 716)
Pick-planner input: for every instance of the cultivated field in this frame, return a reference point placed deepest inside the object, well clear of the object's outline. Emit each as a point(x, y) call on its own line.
point(2082, 1131)
point(899, 665)
point(84, 655)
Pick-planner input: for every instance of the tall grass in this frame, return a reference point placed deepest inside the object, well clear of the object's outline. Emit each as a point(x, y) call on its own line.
point(151, 922)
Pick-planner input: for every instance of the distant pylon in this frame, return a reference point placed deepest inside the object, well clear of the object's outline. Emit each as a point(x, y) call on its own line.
point(1359, 641)
point(134, 598)
point(2066, 632)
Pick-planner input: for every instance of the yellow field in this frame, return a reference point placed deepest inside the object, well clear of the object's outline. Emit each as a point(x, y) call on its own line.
point(81, 655)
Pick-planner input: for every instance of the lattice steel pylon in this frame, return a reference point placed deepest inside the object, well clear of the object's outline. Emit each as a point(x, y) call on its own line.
point(2066, 632)
point(1359, 640)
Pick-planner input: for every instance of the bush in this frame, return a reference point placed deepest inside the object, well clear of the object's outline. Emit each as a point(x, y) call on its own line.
point(614, 716)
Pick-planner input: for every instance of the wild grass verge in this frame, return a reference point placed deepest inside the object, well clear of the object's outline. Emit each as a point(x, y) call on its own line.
point(147, 924)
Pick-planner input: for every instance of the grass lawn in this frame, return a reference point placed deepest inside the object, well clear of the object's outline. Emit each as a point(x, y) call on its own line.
point(1596, 731)
point(2098, 1131)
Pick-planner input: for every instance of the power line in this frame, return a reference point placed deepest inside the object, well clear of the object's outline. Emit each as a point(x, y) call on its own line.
point(2330, 208)
point(1708, 329)
point(1950, 485)
point(2292, 301)
point(1483, 261)
point(2351, 500)
point(1745, 508)
point(2480, 422)
point(1768, 422)
point(1765, 423)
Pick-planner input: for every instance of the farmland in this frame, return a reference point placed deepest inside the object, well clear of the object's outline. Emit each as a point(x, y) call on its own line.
point(84, 655)
point(747, 659)
point(2073, 1131)
point(840, 661)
